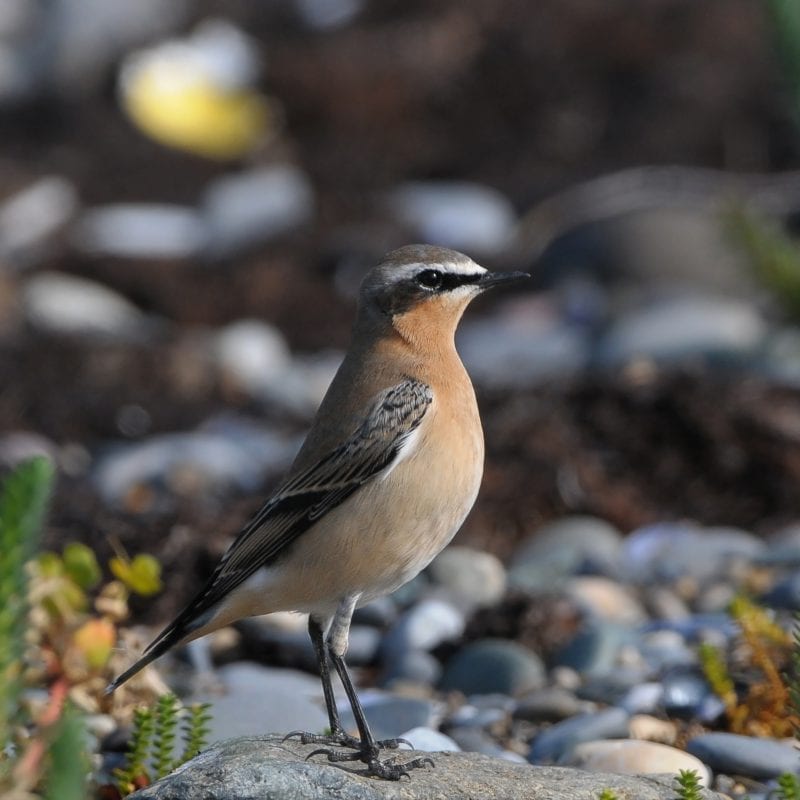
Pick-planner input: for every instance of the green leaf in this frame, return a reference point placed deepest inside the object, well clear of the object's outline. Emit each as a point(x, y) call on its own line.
point(23, 503)
point(68, 767)
point(81, 565)
point(142, 575)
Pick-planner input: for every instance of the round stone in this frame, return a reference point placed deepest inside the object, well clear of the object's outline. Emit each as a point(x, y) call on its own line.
point(471, 577)
point(744, 755)
point(557, 742)
point(633, 757)
point(568, 546)
point(493, 666)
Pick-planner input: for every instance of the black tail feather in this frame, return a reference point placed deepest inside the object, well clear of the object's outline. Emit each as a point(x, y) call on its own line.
point(169, 637)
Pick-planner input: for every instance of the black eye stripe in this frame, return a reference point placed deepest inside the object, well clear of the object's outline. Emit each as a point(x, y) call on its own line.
point(452, 280)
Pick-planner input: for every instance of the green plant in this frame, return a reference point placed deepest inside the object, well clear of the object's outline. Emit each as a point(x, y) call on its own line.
point(151, 747)
point(715, 669)
point(788, 787)
point(785, 16)
point(194, 732)
point(22, 507)
point(688, 785)
point(607, 794)
point(51, 753)
point(773, 255)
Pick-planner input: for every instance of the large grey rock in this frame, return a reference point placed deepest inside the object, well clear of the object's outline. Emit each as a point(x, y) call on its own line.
point(264, 768)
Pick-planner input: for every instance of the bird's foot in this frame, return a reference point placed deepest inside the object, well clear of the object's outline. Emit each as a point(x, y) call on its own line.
point(389, 770)
point(342, 739)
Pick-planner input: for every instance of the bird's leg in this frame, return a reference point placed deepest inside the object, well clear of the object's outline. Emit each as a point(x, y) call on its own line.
point(367, 748)
point(337, 735)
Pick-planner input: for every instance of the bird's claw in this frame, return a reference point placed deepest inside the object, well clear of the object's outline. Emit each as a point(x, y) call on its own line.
point(388, 770)
point(342, 739)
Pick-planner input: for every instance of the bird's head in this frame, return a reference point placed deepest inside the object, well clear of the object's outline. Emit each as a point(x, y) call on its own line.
point(424, 289)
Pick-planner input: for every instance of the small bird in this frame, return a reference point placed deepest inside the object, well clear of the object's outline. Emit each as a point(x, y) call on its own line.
point(385, 478)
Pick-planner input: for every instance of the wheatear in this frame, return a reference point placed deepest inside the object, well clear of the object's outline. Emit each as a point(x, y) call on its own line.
point(389, 471)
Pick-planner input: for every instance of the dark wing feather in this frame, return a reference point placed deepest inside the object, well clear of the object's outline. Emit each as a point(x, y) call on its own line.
point(301, 501)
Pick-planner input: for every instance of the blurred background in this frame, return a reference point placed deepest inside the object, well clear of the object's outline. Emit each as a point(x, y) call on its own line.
point(191, 191)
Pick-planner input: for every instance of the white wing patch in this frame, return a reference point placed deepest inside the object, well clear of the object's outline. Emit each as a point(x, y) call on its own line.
point(410, 444)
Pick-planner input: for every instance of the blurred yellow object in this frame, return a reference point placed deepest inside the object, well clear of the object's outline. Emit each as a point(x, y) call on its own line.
point(142, 575)
point(95, 640)
point(183, 108)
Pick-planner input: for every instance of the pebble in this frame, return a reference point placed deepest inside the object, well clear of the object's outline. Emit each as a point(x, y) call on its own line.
point(474, 740)
point(492, 666)
point(684, 693)
point(483, 711)
point(465, 216)
point(141, 230)
point(380, 612)
point(668, 551)
point(64, 304)
point(391, 715)
point(19, 446)
point(568, 546)
point(784, 594)
point(424, 626)
point(430, 740)
point(653, 729)
point(32, 218)
point(676, 329)
point(518, 348)
point(328, 14)
point(745, 755)
point(780, 358)
point(90, 35)
point(666, 649)
point(471, 577)
point(249, 208)
point(611, 687)
point(253, 353)
point(633, 757)
point(596, 648)
point(551, 704)
point(557, 742)
point(412, 666)
point(644, 698)
point(259, 698)
point(237, 455)
point(605, 598)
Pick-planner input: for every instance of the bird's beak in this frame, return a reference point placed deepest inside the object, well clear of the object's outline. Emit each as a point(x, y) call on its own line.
point(490, 279)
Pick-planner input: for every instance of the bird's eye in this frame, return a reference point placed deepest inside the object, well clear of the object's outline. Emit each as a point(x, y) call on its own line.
point(430, 278)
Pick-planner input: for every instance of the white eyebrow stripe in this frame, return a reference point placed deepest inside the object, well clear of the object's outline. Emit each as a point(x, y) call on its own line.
point(448, 267)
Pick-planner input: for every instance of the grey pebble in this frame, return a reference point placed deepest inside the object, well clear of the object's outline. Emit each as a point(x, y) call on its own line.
point(258, 698)
point(557, 741)
point(66, 304)
point(391, 715)
point(551, 704)
point(675, 329)
point(31, 219)
point(684, 694)
point(490, 666)
point(667, 551)
point(252, 207)
point(141, 230)
point(464, 216)
point(596, 647)
point(745, 755)
point(430, 740)
point(568, 546)
point(472, 578)
point(516, 351)
point(424, 626)
point(412, 666)
point(474, 740)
